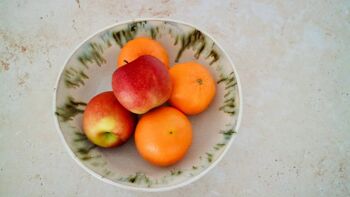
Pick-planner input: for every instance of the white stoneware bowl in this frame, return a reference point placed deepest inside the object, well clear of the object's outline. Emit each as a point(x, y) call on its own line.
point(88, 71)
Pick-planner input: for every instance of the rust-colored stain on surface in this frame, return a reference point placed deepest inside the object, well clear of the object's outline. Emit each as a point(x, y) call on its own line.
point(4, 65)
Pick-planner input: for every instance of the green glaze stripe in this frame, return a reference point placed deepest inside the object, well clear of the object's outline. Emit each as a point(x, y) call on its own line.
point(215, 56)
point(80, 137)
point(192, 39)
point(229, 97)
point(175, 172)
point(83, 148)
point(94, 54)
point(70, 109)
point(137, 178)
point(200, 50)
point(153, 33)
point(218, 146)
point(121, 37)
point(105, 37)
point(209, 157)
point(198, 42)
point(140, 178)
point(74, 78)
point(228, 134)
point(176, 40)
point(86, 150)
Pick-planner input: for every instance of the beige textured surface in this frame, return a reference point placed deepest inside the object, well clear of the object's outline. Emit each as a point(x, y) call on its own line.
point(293, 60)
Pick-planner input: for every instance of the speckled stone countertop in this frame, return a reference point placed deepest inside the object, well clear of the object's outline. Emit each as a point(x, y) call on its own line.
point(293, 61)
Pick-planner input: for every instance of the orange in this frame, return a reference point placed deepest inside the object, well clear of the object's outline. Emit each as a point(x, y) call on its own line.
point(142, 46)
point(193, 87)
point(163, 136)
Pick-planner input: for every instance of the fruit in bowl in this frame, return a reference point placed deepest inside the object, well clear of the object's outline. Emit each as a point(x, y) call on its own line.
point(142, 46)
point(142, 84)
point(107, 123)
point(163, 136)
point(187, 142)
point(194, 87)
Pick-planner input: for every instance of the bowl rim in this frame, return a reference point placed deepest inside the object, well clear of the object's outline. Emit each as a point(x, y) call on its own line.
point(145, 189)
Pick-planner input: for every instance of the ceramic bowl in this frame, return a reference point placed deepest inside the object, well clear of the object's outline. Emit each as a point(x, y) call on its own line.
point(88, 71)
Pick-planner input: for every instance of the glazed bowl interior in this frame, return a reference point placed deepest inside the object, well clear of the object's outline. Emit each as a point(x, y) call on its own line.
point(88, 72)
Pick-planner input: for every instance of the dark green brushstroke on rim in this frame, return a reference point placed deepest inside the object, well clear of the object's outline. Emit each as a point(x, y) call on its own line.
point(190, 40)
point(215, 56)
point(74, 78)
point(121, 37)
point(80, 137)
point(83, 148)
point(175, 172)
point(209, 157)
point(218, 146)
point(137, 178)
point(86, 150)
point(197, 41)
point(228, 134)
point(105, 37)
point(154, 32)
point(70, 109)
point(93, 54)
point(229, 98)
point(200, 50)
point(176, 39)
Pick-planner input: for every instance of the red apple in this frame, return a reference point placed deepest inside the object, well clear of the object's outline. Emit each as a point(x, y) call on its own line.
point(107, 123)
point(142, 84)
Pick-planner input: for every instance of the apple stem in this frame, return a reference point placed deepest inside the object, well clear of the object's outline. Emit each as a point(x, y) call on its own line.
point(126, 61)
